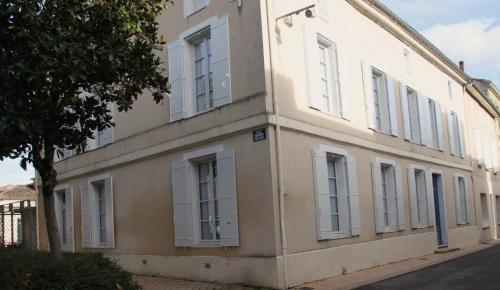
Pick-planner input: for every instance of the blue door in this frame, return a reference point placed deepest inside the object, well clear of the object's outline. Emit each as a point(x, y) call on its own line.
point(437, 187)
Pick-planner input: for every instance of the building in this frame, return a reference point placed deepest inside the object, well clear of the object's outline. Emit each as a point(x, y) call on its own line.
point(292, 149)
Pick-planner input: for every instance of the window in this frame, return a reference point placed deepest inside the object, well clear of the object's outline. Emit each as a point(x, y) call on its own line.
point(97, 212)
point(203, 81)
point(455, 134)
point(435, 135)
point(336, 193)
point(327, 72)
point(388, 196)
point(421, 197)
point(193, 6)
point(321, 9)
point(323, 80)
point(485, 215)
point(380, 100)
point(63, 204)
point(208, 203)
point(414, 116)
point(199, 70)
point(205, 214)
point(461, 200)
point(62, 154)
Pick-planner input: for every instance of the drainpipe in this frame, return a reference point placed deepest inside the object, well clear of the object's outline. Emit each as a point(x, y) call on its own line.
point(279, 156)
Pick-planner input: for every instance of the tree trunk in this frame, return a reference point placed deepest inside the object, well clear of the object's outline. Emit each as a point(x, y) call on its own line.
point(50, 216)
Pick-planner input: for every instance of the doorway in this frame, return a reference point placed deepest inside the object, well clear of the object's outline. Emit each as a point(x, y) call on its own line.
point(439, 209)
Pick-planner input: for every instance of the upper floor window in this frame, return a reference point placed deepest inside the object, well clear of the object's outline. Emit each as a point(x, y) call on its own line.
point(380, 100)
point(193, 6)
point(199, 69)
point(327, 73)
point(455, 134)
point(421, 118)
point(335, 183)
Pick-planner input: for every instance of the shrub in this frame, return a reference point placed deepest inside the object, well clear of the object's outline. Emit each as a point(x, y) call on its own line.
point(35, 270)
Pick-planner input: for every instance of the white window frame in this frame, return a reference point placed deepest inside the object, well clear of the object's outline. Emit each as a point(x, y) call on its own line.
point(332, 76)
point(455, 134)
point(485, 212)
point(461, 200)
point(69, 205)
point(380, 100)
point(391, 202)
point(321, 9)
point(92, 182)
point(349, 222)
point(191, 7)
point(415, 130)
point(421, 203)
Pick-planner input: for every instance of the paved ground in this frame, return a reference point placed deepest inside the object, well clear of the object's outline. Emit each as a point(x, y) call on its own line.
point(157, 283)
point(480, 270)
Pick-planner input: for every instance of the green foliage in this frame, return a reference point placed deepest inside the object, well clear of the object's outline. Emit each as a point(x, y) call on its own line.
point(52, 51)
point(35, 270)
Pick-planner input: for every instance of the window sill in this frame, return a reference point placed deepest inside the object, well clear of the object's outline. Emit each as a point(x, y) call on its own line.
point(382, 132)
point(194, 115)
point(388, 230)
point(334, 236)
point(194, 12)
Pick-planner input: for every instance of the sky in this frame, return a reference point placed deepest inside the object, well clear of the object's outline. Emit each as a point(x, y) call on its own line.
point(467, 30)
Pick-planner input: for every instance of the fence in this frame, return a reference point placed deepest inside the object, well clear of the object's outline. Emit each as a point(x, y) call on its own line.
point(18, 224)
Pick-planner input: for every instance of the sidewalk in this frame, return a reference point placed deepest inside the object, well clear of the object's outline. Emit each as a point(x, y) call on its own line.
point(349, 281)
point(372, 275)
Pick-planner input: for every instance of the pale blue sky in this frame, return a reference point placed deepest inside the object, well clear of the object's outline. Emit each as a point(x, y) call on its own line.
point(466, 30)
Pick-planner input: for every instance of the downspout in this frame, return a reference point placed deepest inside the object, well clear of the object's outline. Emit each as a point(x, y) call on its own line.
point(279, 156)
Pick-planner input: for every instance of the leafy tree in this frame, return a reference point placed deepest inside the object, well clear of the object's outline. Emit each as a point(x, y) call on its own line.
point(53, 51)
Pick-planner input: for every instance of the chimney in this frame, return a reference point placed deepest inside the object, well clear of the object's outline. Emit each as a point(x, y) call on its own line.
point(461, 65)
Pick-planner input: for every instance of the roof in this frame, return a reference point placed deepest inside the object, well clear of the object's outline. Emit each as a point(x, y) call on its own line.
point(17, 192)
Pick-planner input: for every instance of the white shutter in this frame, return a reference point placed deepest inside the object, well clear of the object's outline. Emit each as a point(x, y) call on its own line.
point(86, 216)
point(430, 199)
point(399, 198)
point(176, 78)
point(182, 203)
point(322, 193)
point(458, 202)
point(228, 203)
point(378, 197)
point(352, 179)
point(110, 218)
point(451, 133)
point(391, 99)
point(467, 209)
point(405, 111)
point(345, 100)
point(439, 125)
point(392, 208)
point(412, 191)
point(422, 201)
point(479, 148)
point(312, 67)
point(461, 136)
point(343, 196)
point(368, 90)
point(219, 31)
point(70, 237)
point(424, 119)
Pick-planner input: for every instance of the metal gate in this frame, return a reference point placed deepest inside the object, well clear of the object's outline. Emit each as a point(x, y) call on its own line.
point(18, 224)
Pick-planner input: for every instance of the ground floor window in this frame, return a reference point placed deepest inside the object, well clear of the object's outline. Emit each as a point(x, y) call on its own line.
point(63, 203)
point(484, 210)
point(421, 197)
point(461, 200)
point(204, 195)
point(97, 212)
point(336, 193)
